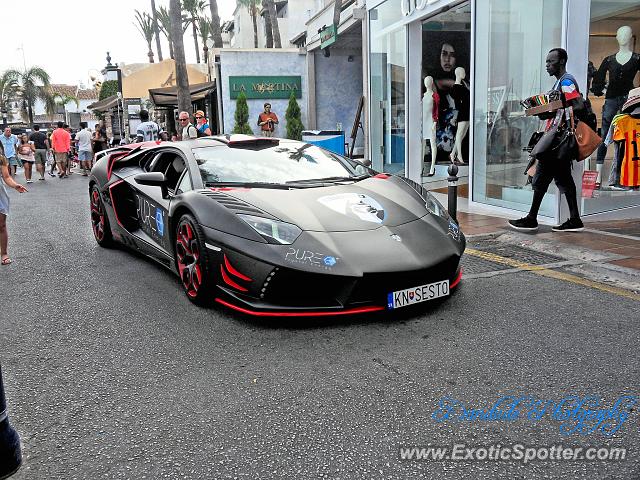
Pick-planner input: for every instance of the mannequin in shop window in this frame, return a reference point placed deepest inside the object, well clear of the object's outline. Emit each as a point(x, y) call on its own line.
point(461, 97)
point(615, 76)
point(430, 105)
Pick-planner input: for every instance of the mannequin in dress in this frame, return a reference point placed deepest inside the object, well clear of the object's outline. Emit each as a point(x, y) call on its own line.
point(616, 75)
point(430, 102)
point(461, 97)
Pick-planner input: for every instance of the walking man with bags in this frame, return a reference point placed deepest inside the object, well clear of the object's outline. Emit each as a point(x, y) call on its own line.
point(557, 169)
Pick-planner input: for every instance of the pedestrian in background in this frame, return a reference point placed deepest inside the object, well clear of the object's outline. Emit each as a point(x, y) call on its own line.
point(187, 130)
point(147, 130)
point(83, 141)
point(202, 125)
point(26, 153)
point(41, 144)
point(6, 179)
point(9, 143)
point(61, 143)
point(99, 141)
point(267, 121)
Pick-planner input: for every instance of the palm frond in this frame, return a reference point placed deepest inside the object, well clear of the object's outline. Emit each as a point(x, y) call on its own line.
point(145, 25)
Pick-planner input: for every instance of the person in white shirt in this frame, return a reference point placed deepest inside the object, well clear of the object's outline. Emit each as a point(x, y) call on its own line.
point(147, 131)
point(85, 154)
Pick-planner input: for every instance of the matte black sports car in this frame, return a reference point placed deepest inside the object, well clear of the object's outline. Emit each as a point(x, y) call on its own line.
point(274, 227)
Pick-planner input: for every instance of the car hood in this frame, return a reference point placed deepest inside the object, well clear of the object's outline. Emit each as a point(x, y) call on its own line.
point(364, 205)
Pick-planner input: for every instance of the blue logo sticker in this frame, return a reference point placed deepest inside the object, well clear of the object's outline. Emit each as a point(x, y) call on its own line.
point(330, 261)
point(159, 222)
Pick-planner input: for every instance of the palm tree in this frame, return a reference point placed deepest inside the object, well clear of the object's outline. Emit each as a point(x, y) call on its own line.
point(182, 80)
point(204, 28)
point(61, 100)
point(267, 25)
point(156, 29)
point(33, 85)
point(145, 27)
point(194, 8)
point(216, 33)
point(271, 9)
point(252, 7)
point(8, 93)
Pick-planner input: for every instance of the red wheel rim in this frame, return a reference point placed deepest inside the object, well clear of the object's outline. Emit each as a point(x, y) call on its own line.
point(97, 215)
point(188, 256)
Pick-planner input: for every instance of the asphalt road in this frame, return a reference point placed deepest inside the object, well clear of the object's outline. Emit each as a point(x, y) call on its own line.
point(111, 372)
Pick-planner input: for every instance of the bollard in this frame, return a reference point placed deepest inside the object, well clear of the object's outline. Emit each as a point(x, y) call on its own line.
point(453, 191)
point(10, 453)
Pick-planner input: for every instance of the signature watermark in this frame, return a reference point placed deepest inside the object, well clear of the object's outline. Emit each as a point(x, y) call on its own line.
point(460, 452)
point(574, 414)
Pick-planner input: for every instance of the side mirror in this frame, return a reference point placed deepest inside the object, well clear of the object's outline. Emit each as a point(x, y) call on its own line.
point(366, 163)
point(153, 179)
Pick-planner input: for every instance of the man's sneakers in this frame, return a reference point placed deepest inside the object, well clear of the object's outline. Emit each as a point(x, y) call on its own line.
point(525, 224)
point(571, 225)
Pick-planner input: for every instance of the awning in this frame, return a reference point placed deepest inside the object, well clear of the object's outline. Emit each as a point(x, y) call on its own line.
point(168, 96)
point(105, 104)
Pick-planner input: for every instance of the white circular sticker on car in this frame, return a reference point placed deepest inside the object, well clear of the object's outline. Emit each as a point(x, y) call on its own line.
point(355, 205)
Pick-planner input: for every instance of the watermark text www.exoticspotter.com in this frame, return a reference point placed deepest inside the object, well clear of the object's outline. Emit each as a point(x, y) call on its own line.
point(460, 452)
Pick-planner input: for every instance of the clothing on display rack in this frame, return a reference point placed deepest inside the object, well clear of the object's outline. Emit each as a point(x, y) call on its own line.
point(627, 130)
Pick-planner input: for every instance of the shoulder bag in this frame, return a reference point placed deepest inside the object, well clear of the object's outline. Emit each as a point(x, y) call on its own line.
point(587, 140)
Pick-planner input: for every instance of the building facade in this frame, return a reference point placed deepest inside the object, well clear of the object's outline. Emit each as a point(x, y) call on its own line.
point(490, 55)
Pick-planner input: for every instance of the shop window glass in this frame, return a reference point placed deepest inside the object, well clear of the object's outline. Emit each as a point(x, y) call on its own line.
point(612, 73)
point(446, 68)
point(513, 38)
point(387, 63)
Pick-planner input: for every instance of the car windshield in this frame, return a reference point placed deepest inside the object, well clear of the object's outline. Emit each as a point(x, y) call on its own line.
point(274, 164)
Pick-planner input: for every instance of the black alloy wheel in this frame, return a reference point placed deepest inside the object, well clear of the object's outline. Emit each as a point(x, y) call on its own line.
point(192, 261)
point(99, 219)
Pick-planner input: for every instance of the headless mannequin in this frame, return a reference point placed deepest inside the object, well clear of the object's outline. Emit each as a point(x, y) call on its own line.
point(617, 87)
point(463, 123)
point(429, 124)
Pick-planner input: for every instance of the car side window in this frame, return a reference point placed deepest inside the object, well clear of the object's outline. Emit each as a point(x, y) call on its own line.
point(185, 184)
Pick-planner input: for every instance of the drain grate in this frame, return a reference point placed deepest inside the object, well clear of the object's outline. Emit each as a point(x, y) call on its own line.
point(473, 264)
point(516, 252)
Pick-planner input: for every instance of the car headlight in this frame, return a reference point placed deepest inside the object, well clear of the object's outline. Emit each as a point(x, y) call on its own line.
point(435, 207)
point(273, 231)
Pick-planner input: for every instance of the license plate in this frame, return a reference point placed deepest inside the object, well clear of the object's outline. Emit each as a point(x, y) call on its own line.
point(423, 293)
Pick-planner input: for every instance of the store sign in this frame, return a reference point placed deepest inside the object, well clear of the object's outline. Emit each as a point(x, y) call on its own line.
point(265, 87)
point(328, 36)
point(410, 6)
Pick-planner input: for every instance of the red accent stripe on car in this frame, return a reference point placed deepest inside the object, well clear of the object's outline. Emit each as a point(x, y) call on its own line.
point(352, 311)
point(457, 280)
point(230, 282)
point(112, 160)
point(113, 204)
point(235, 272)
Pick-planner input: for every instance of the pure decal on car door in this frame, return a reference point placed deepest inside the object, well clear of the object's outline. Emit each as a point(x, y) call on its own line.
point(153, 219)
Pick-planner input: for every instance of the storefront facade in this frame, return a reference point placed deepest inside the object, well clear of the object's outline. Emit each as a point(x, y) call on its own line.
point(482, 59)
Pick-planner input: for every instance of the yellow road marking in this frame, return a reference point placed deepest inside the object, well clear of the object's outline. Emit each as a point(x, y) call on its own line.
point(547, 272)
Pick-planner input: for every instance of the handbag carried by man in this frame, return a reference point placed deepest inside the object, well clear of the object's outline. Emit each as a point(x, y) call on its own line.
point(558, 142)
point(587, 140)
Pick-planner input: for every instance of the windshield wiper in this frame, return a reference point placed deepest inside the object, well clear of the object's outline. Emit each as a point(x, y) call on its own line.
point(280, 186)
point(332, 179)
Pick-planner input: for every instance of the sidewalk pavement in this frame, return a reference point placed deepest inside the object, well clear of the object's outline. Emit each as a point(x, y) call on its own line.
point(614, 244)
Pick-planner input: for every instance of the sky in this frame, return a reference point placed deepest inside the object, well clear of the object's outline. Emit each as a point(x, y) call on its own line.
point(68, 38)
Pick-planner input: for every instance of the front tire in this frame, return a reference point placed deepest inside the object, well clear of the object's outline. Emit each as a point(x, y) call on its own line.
point(99, 219)
point(192, 261)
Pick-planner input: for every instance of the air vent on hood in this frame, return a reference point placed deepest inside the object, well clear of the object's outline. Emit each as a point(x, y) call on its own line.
point(233, 204)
